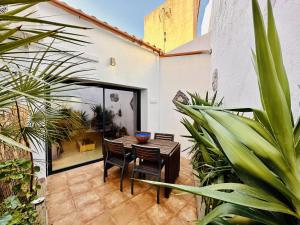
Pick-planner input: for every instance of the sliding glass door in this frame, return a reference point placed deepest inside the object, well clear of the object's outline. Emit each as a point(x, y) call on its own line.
point(80, 140)
point(101, 113)
point(121, 111)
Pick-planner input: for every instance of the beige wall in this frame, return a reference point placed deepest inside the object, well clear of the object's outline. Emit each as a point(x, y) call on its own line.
point(179, 22)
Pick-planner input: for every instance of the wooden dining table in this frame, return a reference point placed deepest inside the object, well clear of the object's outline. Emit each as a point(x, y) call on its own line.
point(170, 152)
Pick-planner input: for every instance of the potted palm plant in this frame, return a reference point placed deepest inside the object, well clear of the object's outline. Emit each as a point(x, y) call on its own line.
point(103, 118)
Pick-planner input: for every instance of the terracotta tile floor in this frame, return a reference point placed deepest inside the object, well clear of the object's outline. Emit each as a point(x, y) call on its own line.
point(79, 197)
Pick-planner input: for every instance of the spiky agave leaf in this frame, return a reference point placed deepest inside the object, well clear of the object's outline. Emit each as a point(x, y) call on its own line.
point(209, 163)
point(230, 212)
point(261, 150)
point(239, 194)
point(274, 99)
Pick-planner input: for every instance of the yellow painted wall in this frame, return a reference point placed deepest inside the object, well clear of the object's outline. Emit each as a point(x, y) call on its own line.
point(180, 19)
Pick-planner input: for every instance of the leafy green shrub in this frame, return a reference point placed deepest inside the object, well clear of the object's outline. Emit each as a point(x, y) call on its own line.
point(18, 208)
point(16, 212)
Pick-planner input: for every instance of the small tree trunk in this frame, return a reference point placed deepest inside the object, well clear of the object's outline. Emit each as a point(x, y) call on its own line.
point(27, 145)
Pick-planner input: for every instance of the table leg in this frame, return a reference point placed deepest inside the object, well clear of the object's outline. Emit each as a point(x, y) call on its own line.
point(172, 168)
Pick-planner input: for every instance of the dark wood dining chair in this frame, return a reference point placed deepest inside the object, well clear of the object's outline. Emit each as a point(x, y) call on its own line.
point(116, 155)
point(150, 163)
point(162, 136)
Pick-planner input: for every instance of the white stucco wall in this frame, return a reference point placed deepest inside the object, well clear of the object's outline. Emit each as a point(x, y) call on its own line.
point(158, 78)
point(232, 38)
point(136, 67)
point(185, 73)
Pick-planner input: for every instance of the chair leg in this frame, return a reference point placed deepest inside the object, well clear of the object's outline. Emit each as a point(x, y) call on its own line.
point(131, 181)
point(158, 191)
point(104, 173)
point(122, 176)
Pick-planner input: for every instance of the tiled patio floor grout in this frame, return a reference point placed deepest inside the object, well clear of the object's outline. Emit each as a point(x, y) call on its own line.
point(80, 197)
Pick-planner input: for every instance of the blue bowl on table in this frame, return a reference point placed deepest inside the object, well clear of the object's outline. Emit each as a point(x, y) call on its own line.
point(142, 137)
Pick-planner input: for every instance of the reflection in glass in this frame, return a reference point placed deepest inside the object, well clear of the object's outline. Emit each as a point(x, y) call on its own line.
point(122, 104)
point(81, 142)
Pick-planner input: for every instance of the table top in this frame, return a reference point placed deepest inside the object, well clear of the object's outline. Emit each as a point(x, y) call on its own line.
point(166, 147)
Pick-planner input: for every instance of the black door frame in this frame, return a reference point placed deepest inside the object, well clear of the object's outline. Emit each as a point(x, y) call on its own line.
point(49, 170)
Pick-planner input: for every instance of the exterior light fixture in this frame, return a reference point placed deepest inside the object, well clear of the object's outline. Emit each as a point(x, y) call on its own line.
point(112, 61)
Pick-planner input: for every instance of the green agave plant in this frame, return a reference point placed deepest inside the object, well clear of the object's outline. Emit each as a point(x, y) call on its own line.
point(205, 154)
point(209, 163)
point(263, 150)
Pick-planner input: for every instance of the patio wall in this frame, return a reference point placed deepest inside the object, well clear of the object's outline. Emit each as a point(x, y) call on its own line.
point(159, 79)
point(185, 73)
point(232, 39)
point(136, 67)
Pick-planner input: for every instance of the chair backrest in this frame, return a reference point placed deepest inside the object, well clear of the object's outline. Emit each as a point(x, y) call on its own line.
point(161, 136)
point(114, 147)
point(146, 153)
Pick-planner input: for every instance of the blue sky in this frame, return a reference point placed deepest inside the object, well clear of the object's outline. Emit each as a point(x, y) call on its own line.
point(128, 15)
point(203, 4)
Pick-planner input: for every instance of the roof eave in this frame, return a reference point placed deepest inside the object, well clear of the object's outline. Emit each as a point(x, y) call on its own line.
point(105, 25)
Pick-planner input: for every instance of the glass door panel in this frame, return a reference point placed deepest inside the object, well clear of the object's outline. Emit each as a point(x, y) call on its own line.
point(120, 113)
point(83, 143)
point(105, 113)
